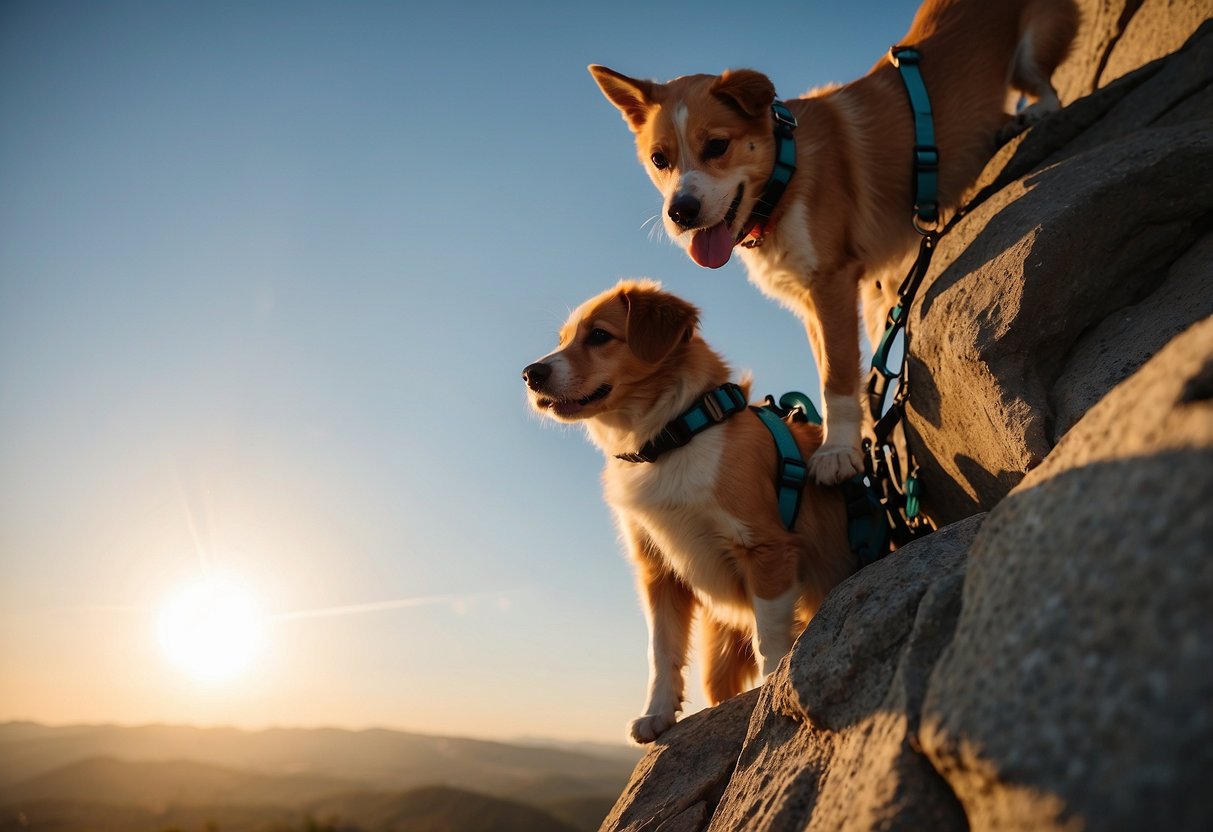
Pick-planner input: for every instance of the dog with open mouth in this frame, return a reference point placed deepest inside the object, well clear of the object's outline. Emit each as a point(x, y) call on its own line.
point(816, 192)
point(690, 476)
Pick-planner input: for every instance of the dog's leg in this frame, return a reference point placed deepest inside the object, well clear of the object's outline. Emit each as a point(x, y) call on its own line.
point(1028, 81)
point(728, 656)
point(1047, 30)
point(774, 619)
point(835, 338)
point(772, 581)
point(669, 608)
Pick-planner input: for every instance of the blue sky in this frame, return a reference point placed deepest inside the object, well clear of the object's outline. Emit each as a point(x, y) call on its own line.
point(269, 273)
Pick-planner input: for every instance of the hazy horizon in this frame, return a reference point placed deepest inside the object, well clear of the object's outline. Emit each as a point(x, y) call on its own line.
point(522, 740)
point(269, 273)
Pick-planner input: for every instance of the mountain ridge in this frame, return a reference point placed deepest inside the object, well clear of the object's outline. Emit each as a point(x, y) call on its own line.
point(114, 778)
point(382, 757)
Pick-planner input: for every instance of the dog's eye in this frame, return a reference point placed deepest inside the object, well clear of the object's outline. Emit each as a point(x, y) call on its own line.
point(715, 148)
point(660, 161)
point(597, 337)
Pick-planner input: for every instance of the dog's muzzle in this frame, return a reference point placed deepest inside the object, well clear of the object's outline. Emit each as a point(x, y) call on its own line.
point(536, 375)
point(684, 211)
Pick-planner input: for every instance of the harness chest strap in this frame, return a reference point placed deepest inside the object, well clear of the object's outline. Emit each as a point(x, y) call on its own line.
point(868, 537)
point(712, 408)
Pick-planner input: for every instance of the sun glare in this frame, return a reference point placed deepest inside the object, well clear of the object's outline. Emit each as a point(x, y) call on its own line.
point(211, 628)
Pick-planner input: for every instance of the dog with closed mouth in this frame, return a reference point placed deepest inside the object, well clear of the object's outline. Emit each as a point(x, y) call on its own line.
point(842, 223)
point(699, 514)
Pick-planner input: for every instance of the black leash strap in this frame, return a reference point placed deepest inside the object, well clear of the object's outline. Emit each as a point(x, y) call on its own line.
point(898, 492)
point(896, 324)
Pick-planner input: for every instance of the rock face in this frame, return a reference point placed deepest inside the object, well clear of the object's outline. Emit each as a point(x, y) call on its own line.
point(1117, 36)
point(1088, 246)
point(677, 785)
point(833, 741)
point(1079, 683)
point(1045, 661)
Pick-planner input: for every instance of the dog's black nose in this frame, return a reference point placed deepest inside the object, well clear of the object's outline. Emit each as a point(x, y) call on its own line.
point(684, 210)
point(536, 374)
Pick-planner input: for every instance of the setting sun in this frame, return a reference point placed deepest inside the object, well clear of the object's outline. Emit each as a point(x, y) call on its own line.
point(211, 628)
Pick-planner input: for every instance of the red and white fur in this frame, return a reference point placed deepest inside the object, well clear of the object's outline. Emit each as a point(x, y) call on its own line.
point(846, 215)
point(702, 522)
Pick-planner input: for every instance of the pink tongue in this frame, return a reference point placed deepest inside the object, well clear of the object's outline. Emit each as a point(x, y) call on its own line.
point(712, 247)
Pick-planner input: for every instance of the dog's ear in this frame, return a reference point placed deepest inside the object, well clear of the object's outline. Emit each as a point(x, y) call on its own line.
point(657, 322)
point(633, 97)
point(749, 91)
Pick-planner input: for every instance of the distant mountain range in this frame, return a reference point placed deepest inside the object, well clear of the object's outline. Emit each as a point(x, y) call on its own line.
point(124, 779)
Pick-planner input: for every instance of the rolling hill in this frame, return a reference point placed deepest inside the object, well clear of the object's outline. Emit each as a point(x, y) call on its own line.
point(438, 809)
point(380, 759)
point(431, 809)
point(154, 785)
point(108, 778)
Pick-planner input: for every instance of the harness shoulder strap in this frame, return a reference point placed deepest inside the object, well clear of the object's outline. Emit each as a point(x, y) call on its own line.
point(791, 474)
point(926, 154)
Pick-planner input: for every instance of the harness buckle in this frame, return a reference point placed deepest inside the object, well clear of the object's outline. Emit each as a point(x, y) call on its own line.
point(793, 473)
point(784, 120)
point(679, 432)
point(926, 157)
point(926, 227)
point(712, 407)
point(907, 55)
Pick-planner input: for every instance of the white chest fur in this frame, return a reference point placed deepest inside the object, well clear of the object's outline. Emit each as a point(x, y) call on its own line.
point(674, 501)
point(782, 266)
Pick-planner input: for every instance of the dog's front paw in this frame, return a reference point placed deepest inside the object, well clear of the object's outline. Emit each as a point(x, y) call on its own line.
point(645, 729)
point(831, 465)
point(1027, 117)
point(1020, 123)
